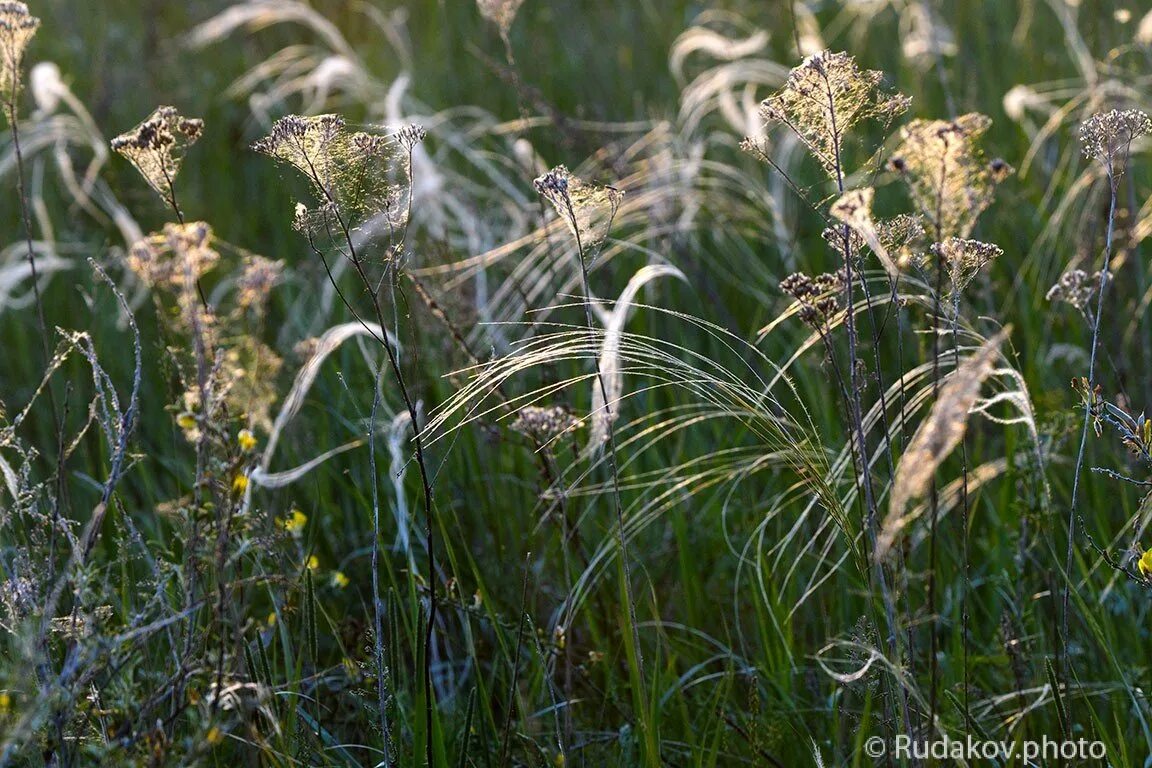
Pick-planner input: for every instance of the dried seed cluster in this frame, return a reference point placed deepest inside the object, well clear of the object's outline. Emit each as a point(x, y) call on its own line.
point(544, 424)
point(818, 296)
point(156, 147)
point(17, 26)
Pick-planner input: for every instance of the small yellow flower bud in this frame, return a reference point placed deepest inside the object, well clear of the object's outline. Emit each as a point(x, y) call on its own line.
point(246, 440)
point(239, 484)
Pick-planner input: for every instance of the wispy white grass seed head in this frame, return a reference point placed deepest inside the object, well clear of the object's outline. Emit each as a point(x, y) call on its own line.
point(937, 436)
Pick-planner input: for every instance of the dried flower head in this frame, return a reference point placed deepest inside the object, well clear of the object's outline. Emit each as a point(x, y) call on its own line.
point(356, 175)
point(176, 257)
point(256, 281)
point(1076, 288)
point(411, 135)
point(947, 177)
point(17, 27)
point(1107, 136)
point(588, 209)
point(963, 259)
point(824, 98)
point(544, 424)
point(500, 12)
point(157, 146)
point(819, 297)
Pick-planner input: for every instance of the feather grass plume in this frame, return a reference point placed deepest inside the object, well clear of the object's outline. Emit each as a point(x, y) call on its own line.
point(940, 433)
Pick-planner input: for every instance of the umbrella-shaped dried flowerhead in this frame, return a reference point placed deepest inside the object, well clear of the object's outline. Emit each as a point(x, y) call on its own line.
point(1075, 288)
point(156, 147)
point(544, 424)
point(819, 297)
point(824, 99)
point(1107, 136)
point(962, 259)
point(500, 12)
point(947, 177)
point(356, 176)
point(587, 209)
point(17, 26)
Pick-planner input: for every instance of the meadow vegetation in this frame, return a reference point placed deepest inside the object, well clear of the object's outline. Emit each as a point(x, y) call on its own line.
point(573, 384)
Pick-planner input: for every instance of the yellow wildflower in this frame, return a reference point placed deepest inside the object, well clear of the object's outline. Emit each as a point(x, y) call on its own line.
point(1145, 564)
point(186, 420)
point(312, 563)
point(246, 439)
point(339, 580)
point(239, 484)
point(296, 522)
point(5, 703)
point(214, 736)
point(271, 622)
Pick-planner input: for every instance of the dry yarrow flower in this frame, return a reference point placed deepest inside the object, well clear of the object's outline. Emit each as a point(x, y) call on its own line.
point(588, 209)
point(17, 27)
point(824, 98)
point(544, 424)
point(157, 146)
point(176, 257)
point(1075, 287)
point(963, 259)
point(256, 281)
point(947, 177)
point(818, 297)
point(500, 12)
point(357, 175)
point(1108, 135)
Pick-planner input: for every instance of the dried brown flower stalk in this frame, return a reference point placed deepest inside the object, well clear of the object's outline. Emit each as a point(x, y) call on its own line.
point(962, 259)
point(854, 208)
point(544, 424)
